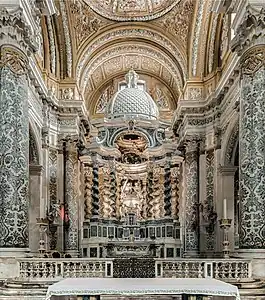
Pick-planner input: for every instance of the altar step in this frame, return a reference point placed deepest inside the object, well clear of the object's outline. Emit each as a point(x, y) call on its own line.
point(150, 297)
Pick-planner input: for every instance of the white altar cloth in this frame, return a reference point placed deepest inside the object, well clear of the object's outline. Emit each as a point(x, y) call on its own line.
point(142, 286)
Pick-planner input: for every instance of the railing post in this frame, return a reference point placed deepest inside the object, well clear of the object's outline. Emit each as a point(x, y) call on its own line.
point(109, 269)
point(208, 270)
point(250, 269)
point(158, 269)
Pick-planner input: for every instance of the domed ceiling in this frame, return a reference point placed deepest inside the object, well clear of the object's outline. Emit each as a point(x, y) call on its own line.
point(132, 10)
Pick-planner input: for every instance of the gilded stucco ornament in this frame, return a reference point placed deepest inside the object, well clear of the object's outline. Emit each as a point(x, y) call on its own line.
point(253, 60)
point(137, 10)
point(14, 59)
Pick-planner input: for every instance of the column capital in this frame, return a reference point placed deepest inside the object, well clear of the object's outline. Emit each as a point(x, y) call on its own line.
point(253, 59)
point(15, 28)
point(191, 145)
point(14, 59)
point(227, 170)
point(250, 32)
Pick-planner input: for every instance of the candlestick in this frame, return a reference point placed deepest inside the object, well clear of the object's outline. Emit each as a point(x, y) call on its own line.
point(225, 224)
point(224, 209)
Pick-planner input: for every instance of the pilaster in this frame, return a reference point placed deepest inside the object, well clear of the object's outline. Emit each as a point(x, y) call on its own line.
point(15, 47)
point(249, 44)
point(71, 198)
point(191, 199)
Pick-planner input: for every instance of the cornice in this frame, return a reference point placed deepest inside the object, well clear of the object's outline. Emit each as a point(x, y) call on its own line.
point(200, 114)
point(227, 170)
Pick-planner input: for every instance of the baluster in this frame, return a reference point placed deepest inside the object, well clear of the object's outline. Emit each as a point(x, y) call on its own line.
point(230, 270)
point(200, 270)
point(186, 270)
point(101, 270)
point(235, 269)
point(31, 271)
point(216, 266)
point(94, 270)
point(86, 270)
point(74, 270)
point(180, 271)
point(193, 271)
point(67, 270)
point(23, 270)
point(173, 273)
point(37, 271)
point(45, 271)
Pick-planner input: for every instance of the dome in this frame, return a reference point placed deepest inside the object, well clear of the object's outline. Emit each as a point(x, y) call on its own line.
point(132, 102)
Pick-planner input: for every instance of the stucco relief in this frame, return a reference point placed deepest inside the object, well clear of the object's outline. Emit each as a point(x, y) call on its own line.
point(150, 59)
point(71, 194)
point(177, 21)
point(191, 199)
point(136, 10)
point(137, 32)
point(86, 21)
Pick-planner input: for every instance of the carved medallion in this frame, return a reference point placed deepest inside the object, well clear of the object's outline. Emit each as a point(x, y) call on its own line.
point(253, 60)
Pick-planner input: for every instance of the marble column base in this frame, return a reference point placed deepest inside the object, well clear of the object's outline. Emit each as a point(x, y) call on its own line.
point(15, 252)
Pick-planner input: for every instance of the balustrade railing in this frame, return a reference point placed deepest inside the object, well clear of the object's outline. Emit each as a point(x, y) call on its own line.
point(55, 269)
point(231, 269)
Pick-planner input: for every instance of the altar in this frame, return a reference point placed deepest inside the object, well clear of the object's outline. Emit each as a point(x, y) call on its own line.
point(102, 288)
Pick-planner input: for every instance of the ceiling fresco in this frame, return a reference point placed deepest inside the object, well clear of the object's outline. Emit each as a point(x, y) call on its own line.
point(132, 10)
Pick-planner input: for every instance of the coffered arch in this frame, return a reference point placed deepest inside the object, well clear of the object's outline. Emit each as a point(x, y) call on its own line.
point(146, 34)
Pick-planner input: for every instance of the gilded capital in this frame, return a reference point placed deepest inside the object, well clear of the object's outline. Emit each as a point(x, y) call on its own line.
point(14, 59)
point(252, 60)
